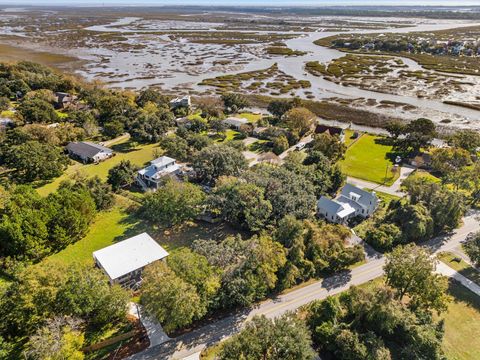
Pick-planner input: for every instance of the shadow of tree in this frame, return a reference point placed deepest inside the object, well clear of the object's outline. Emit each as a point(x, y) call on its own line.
point(462, 294)
point(340, 279)
point(260, 146)
point(178, 236)
point(208, 335)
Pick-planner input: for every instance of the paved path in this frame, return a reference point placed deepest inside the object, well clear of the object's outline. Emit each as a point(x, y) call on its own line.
point(446, 270)
point(193, 342)
point(306, 140)
point(394, 189)
point(155, 332)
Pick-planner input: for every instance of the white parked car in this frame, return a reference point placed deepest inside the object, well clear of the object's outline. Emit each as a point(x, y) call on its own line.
point(300, 146)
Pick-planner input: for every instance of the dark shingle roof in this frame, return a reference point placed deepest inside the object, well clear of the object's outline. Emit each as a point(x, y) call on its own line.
point(333, 130)
point(86, 149)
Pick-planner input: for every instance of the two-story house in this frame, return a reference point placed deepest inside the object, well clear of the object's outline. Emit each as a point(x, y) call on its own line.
point(153, 175)
point(351, 202)
point(123, 262)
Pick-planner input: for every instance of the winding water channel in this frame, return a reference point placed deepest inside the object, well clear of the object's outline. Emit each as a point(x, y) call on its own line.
point(294, 66)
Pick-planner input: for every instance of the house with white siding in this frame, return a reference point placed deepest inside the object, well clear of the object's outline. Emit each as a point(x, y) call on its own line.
point(351, 202)
point(153, 176)
point(88, 152)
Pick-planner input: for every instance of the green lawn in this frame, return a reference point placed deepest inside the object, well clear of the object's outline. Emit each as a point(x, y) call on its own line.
point(253, 118)
point(348, 137)
point(461, 266)
point(230, 135)
point(61, 114)
point(367, 160)
point(462, 325)
point(119, 224)
point(139, 156)
point(194, 116)
point(260, 146)
point(108, 227)
point(7, 113)
point(387, 198)
point(424, 175)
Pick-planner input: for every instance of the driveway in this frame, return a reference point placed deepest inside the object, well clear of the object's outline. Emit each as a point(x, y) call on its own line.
point(307, 139)
point(394, 189)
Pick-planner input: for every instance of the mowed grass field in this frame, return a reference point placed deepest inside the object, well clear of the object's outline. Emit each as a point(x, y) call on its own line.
point(462, 325)
point(368, 160)
point(139, 156)
point(253, 118)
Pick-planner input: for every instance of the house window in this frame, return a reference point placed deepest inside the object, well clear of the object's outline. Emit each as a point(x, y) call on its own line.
point(363, 210)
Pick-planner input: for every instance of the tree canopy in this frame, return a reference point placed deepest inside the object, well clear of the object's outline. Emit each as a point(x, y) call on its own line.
point(218, 160)
point(285, 338)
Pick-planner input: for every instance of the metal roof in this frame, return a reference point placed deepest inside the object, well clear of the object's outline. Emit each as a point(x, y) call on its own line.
point(129, 255)
point(162, 161)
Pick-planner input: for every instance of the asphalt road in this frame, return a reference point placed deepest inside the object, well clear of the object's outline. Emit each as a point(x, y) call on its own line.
point(195, 341)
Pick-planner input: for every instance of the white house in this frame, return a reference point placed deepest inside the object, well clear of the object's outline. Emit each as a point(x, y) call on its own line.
point(183, 102)
point(124, 261)
point(89, 152)
point(235, 122)
point(351, 202)
point(152, 176)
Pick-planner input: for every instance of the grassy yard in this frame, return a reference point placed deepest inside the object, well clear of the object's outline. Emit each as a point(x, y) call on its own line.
point(260, 146)
point(422, 174)
point(386, 198)
point(230, 135)
point(462, 325)
point(138, 156)
point(349, 137)
point(253, 118)
point(195, 116)
point(61, 114)
point(461, 266)
point(7, 113)
point(119, 224)
point(369, 160)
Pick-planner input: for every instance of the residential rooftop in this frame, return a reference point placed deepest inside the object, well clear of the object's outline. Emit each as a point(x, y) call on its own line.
point(129, 255)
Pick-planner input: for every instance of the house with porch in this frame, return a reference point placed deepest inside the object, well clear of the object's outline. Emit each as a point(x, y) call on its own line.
point(153, 176)
point(235, 122)
point(88, 152)
point(351, 202)
point(124, 261)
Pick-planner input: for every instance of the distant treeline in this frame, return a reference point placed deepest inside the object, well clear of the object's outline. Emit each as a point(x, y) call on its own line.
point(432, 12)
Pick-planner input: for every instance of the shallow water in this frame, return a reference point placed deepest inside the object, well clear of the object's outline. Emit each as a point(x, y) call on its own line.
point(180, 65)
